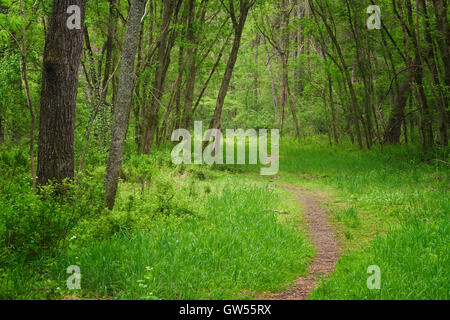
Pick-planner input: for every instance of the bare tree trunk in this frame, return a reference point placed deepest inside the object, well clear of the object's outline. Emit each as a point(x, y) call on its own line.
point(255, 46)
point(192, 68)
point(272, 80)
point(427, 127)
point(27, 90)
point(96, 100)
point(365, 73)
point(342, 94)
point(112, 29)
point(62, 55)
point(443, 39)
point(333, 111)
point(327, 121)
point(285, 92)
point(165, 45)
point(393, 130)
point(213, 70)
point(215, 121)
point(124, 95)
point(354, 101)
point(176, 118)
point(293, 112)
point(245, 6)
point(284, 55)
point(438, 92)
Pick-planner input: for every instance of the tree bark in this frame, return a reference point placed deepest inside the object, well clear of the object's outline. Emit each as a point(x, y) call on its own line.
point(333, 111)
point(192, 68)
point(438, 92)
point(112, 29)
point(394, 128)
point(62, 55)
point(426, 117)
point(165, 46)
point(443, 38)
point(176, 119)
point(124, 95)
point(27, 90)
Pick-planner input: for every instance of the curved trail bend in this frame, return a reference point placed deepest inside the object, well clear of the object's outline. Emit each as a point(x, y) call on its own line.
point(325, 241)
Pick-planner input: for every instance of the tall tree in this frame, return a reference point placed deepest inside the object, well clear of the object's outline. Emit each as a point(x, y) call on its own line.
point(436, 88)
point(124, 94)
point(62, 54)
point(193, 39)
point(328, 21)
point(27, 91)
point(238, 25)
point(165, 45)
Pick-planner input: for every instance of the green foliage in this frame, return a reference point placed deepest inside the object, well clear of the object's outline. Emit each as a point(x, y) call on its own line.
point(412, 262)
point(12, 101)
point(392, 210)
point(197, 258)
point(200, 232)
point(33, 225)
point(349, 217)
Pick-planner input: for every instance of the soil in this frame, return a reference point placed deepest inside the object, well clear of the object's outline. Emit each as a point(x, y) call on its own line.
point(325, 241)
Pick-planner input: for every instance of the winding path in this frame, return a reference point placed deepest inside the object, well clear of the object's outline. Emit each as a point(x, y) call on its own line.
point(325, 241)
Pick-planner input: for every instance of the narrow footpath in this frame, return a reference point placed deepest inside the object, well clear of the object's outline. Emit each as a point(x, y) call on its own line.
point(325, 241)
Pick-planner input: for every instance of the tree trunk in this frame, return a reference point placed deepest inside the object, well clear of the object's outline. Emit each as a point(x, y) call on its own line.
point(356, 114)
point(164, 48)
point(112, 29)
point(192, 68)
point(27, 90)
point(215, 121)
point(124, 95)
point(176, 118)
point(255, 46)
point(272, 79)
point(238, 29)
point(438, 92)
point(394, 128)
point(213, 70)
point(62, 55)
point(426, 117)
point(443, 38)
point(333, 111)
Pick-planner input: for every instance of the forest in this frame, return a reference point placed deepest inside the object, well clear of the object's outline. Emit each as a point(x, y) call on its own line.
point(314, 142)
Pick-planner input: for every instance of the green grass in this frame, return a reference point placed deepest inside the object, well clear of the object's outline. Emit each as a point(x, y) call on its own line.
point(413, 263)
point(232, 248)
point(223, 232)
point(390, 208)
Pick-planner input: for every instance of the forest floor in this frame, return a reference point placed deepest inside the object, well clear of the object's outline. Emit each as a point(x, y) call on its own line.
point(225, 232)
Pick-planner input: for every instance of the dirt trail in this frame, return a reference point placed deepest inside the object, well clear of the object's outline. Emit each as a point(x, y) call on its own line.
point(325, 241)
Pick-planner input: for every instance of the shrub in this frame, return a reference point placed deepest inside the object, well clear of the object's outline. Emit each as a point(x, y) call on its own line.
point(34, 225)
